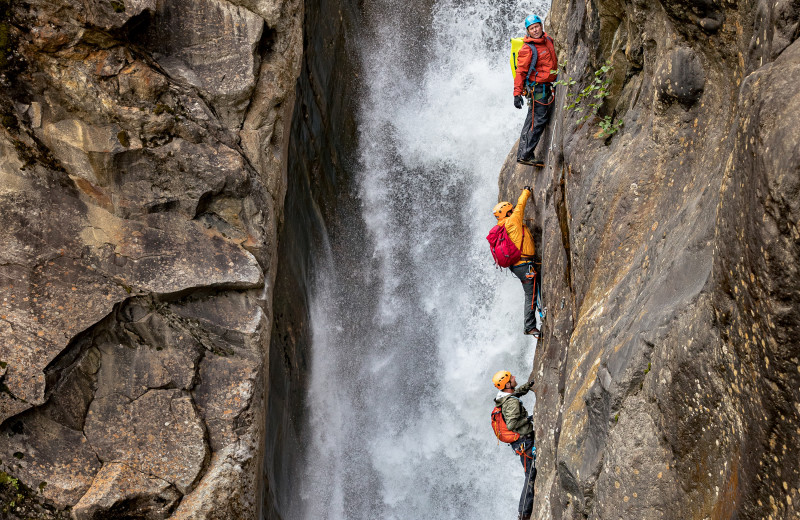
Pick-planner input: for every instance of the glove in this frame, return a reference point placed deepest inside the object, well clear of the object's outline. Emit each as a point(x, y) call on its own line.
point(518, 101)
point(528, 188)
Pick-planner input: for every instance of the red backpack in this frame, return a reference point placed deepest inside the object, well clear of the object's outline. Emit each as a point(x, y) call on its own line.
point(504, 251)
point(500, 429)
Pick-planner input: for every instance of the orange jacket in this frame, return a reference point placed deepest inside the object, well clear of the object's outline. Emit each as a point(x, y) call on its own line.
point(514, 225)
point(546, 60)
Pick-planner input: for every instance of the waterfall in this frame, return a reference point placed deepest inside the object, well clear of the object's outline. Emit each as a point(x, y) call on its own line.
point(409, 318)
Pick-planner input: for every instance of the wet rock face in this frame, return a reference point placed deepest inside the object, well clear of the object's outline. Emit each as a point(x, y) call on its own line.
point(323, 137)
point(667, 376)
point(141, 187)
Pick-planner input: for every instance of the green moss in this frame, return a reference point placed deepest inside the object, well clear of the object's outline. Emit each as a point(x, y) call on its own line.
point(9, 121)
point(6, 44)
point(8, 480)
point(161, 108)
point(124, 140)
point(19, 501)
point(3, 364)
point(119, 7)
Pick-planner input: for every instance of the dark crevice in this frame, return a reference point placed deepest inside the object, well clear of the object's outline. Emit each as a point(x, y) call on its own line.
point(563, 222)
point(267, 42)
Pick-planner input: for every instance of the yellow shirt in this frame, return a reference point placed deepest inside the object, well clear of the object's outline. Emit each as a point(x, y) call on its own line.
point(514, 226)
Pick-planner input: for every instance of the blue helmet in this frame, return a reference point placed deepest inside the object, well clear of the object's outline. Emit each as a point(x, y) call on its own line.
point(532, 19)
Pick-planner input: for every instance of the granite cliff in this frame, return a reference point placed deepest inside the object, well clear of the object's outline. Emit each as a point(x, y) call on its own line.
point(143, 173)
point(668, 378)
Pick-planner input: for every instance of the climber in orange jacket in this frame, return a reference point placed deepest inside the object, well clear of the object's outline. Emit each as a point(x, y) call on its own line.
point(511, 217)
point(534, 79)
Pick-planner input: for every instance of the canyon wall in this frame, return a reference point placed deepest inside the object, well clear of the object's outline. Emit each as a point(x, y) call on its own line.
point(667, 377)
point(143, 173)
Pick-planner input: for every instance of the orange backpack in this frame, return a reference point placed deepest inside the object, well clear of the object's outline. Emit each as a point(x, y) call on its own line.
point(500, 429)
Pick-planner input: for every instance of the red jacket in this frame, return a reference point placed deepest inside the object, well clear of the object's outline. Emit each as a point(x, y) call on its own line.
point(546, 60)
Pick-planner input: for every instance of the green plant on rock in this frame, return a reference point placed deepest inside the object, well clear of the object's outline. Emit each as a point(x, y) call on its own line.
point(9, 491)
point(589, 100)
point(608, 127)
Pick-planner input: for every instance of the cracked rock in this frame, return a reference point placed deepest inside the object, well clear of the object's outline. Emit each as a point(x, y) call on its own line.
point(158, 434)
point(120, 491)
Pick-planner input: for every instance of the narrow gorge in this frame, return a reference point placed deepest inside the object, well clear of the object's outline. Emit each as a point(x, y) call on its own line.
point(244, 274)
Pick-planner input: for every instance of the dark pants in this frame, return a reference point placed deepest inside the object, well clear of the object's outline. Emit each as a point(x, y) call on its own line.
point(528, 285)
point(524, 448)
point(540, 115)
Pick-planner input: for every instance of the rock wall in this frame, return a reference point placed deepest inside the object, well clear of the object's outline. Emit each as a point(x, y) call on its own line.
point(142, 181)
point(667, 379)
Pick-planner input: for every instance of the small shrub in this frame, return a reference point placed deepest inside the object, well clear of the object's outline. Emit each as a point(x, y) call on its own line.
point(589, 100)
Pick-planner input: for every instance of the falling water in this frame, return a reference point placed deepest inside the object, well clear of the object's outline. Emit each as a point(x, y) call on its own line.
point(410, 318)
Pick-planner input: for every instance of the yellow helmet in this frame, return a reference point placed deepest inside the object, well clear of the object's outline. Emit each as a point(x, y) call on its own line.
point(501, 378)
point(501, 209)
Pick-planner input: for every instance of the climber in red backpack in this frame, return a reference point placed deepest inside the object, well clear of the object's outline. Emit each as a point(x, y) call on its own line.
point(510, 225)
point(534, 79)
point(513, 425)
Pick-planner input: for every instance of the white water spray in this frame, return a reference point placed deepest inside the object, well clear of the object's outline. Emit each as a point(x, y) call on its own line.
point(411, 319)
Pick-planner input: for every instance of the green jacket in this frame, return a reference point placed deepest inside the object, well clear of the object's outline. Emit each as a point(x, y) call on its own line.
point(514, 413)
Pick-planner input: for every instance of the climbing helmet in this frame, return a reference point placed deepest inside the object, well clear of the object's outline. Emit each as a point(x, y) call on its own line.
point(532, 19)
point(501, 378)
point(501, 209)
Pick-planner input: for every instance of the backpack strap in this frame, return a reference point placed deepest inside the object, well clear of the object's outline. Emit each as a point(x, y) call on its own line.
point(532, 67)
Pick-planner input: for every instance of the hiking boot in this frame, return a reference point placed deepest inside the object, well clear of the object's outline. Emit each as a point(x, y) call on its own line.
point(531, 162)
point(533, 332)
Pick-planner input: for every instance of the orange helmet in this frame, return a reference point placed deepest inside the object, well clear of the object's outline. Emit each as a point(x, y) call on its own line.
point(501, 378)
point(501, 209)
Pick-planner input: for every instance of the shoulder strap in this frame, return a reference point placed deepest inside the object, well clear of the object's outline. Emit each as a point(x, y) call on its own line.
point(534, 59)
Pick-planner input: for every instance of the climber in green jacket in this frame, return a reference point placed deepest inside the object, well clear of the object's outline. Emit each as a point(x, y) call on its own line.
point(518, 421)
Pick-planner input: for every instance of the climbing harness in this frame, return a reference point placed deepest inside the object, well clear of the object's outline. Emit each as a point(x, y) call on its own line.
point(524, 454)
point(529, 92)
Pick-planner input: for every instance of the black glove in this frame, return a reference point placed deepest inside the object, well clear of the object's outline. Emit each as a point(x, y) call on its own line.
point(528, 188)
point(518, 101)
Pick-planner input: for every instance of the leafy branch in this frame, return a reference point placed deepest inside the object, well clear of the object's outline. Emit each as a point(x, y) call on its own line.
point(589, 100)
